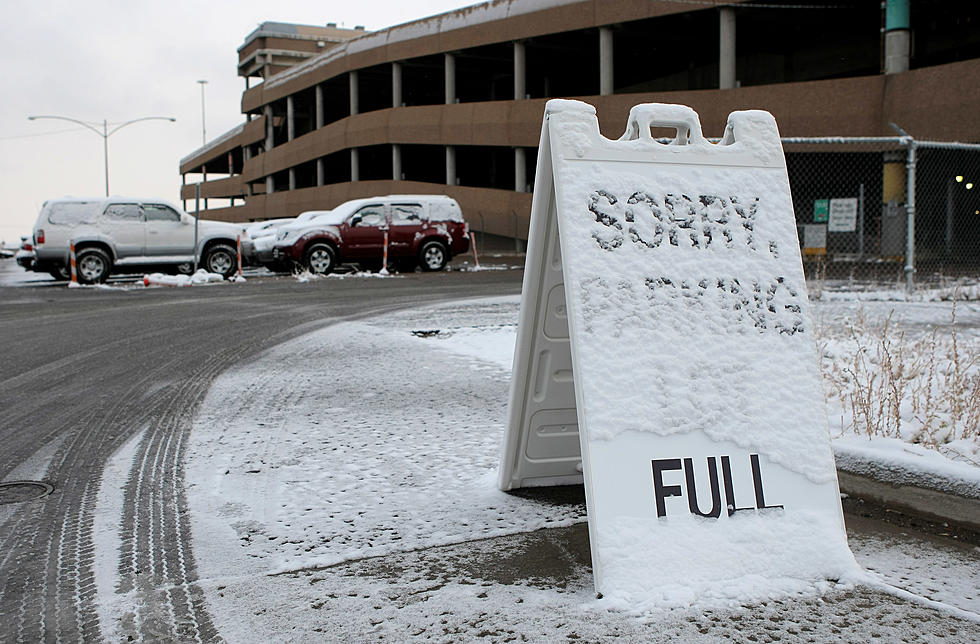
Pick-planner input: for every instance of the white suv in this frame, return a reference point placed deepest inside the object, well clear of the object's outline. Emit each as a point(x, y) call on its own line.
point(123, 235)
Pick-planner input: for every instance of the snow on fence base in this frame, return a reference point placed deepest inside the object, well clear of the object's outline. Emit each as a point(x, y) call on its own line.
point(668, 279)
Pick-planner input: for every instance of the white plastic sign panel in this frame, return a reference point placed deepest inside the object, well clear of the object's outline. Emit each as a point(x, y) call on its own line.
point(703, 442)
point(541, 446)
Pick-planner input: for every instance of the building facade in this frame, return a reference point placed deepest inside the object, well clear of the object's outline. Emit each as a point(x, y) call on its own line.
point(452, 104)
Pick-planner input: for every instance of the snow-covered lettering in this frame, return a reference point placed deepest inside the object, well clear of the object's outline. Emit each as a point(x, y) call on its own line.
point(773, 305)
point(705, 221)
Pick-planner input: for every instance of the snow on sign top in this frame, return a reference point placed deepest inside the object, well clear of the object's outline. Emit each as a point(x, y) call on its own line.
point(703, 440)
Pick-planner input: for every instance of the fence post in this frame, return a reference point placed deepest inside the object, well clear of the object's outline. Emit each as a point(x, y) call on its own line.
point(861, 220)
point(910, 219)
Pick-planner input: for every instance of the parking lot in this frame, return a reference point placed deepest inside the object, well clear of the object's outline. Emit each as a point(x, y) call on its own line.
point(284, 457)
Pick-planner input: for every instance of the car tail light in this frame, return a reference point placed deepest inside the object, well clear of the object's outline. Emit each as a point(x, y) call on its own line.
point(27, 246)
point(39, 236)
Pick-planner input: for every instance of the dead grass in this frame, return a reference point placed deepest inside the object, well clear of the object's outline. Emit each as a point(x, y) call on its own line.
point(923, 390)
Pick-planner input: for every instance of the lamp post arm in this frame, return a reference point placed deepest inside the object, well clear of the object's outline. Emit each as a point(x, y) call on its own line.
point(65, 118)
point(145, 118)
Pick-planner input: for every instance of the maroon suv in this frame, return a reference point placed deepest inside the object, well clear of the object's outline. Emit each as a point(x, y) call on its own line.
point(422, 230)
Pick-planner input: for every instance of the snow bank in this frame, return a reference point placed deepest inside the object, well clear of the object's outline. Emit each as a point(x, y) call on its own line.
point(202, 276)
point(899, 463)
point(320, 451)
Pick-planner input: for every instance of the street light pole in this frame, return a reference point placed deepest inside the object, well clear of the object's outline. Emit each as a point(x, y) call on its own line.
point(105, 133)
point(204, 135)
point(105, 153)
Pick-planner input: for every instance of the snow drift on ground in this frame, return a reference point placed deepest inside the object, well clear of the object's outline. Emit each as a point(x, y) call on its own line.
point(365, 439)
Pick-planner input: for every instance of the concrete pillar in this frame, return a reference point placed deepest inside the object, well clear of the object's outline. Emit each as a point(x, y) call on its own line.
point(355, 168)
point(290, 119)
point(898, 36)
point(353, 92)
point(270, 184)
point(396, 85)
point(726, 48)
point(450, 165)
point(396, 162)
point(269, 138)
point(450, 79)
point(246, 156)
point(292, 179)
point(318, 93)
point(520, 170)
point(520, 71)
point(320, 172)
point(605, 61)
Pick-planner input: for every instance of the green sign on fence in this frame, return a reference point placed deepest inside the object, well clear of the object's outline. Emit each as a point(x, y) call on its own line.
point(821, 210)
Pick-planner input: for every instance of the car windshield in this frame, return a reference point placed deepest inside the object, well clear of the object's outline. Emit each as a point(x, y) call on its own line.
point(346, 209)
point(330, 218)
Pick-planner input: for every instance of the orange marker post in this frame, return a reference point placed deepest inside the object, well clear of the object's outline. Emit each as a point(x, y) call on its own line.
point(384, 259)
point(239, 242)
point(71, 261)
point(476, 256)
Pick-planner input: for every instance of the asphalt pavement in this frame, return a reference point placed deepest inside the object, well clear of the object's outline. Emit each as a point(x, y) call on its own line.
point(85, 370)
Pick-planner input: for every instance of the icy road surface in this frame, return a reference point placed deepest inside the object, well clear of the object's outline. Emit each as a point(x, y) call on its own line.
point(343, 486)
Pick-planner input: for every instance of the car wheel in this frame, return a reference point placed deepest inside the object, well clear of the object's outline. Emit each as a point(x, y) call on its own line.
point(320, 259)
point(221, 259)
point(185, 269)
point(61, 273)
point(92, 265)
point(433, 256)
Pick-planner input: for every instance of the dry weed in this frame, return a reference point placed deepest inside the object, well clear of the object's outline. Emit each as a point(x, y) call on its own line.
point(922, 390)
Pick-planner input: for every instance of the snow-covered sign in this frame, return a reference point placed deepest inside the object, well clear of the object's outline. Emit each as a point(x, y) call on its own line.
point(843, 215)
point(667, 278)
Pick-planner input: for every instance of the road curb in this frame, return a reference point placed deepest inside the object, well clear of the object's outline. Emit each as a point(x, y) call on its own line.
point(929, 504)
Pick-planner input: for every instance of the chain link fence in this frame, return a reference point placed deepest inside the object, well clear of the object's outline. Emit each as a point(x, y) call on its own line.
point(878, 213)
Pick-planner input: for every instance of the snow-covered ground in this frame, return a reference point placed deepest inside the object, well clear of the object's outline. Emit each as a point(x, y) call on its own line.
point(343, 486)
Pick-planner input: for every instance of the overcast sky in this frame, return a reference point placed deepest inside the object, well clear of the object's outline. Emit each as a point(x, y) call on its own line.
point(125, 59)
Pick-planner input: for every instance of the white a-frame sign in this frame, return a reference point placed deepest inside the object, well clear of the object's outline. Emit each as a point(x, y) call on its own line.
point(665, 356)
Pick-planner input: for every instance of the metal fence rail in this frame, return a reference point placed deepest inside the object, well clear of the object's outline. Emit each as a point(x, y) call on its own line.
point(874, 211)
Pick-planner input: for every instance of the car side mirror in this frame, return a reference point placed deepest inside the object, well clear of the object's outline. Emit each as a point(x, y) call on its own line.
point(355, 220)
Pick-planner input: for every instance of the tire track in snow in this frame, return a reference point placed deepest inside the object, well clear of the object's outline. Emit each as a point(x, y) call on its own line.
point(156, 563)
point(55, 594)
